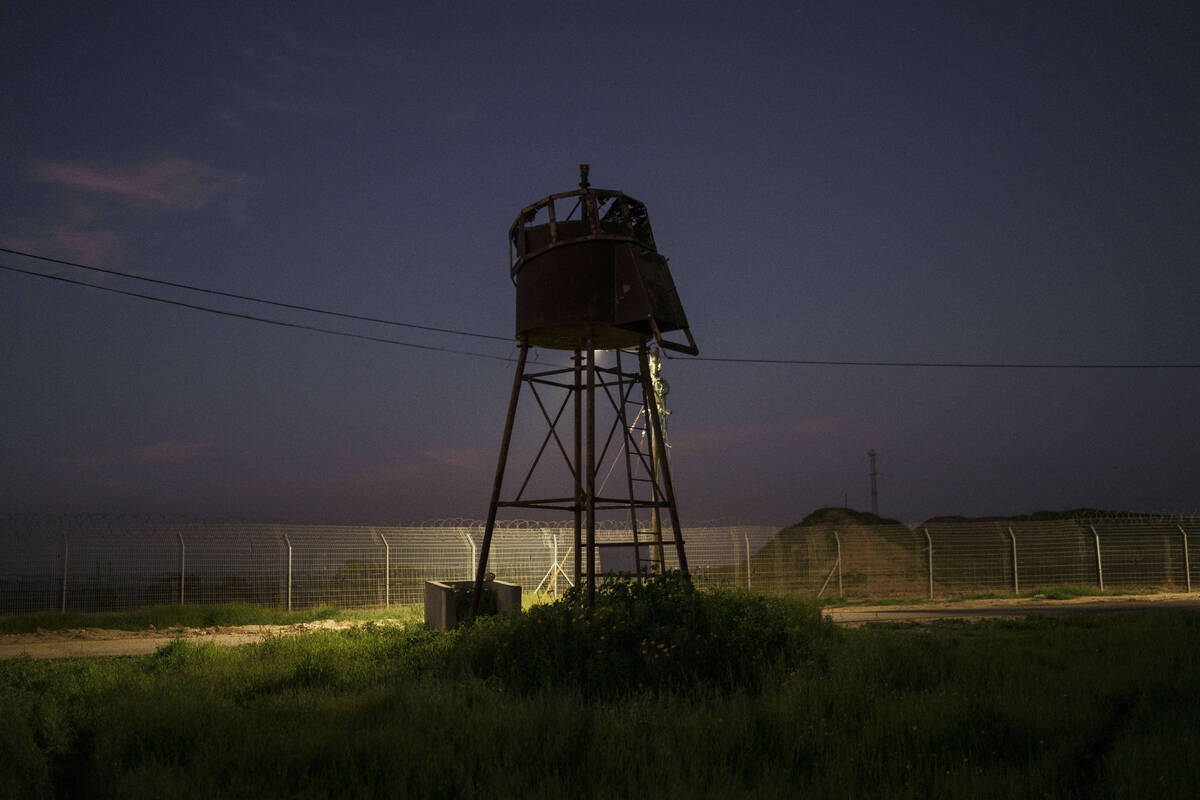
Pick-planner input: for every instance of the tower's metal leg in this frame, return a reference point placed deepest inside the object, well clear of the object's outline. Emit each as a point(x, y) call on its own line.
point(668, 489)
point(657, 556)
point(578, 455)
point(491, 520)
point(627, 447)
point(590, 595)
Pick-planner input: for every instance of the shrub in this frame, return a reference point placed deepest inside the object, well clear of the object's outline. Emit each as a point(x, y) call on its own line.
point(660, 635)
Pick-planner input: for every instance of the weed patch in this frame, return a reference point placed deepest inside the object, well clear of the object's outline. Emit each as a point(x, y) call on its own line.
point(661, 635)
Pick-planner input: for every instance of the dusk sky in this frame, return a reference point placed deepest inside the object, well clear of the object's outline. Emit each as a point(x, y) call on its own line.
point(889, 182)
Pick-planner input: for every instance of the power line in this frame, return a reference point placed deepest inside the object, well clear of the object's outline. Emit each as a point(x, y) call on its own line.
point(929, 364)
point(345, 315)
point(251, 317)
point(251, 299)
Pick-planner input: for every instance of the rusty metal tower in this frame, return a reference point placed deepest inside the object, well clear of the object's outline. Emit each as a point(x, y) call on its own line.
point(590, 279)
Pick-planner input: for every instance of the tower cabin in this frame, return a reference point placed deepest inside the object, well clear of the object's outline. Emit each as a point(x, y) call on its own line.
point(584, 264)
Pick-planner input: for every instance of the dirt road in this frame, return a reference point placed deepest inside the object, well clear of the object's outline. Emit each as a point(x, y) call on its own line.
point(1008, 607)
point(92, 642)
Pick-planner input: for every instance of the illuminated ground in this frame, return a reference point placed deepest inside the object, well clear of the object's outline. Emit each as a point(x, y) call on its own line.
point(95, 642)
point(91, 642)
point(1008, 607)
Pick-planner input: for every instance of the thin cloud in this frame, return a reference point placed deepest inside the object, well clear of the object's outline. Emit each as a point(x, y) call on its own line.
point(170, 452)
point(288, 72)
point(91, 462)
point(71, 241)
point(460, 114)
point(154, 453)
point(292, 106)
point(460, 458)
point(168, 181)
point(87, 245)
point(758, 431)
point(282, 46)
point(228, 117)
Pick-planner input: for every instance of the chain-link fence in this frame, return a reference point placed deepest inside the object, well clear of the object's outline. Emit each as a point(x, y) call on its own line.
point(106, 563)
point(952, 559)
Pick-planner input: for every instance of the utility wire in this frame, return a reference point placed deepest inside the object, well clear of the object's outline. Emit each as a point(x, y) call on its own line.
point(251, 317)
point(249, 298)
point(766, 361)
point(930, 364)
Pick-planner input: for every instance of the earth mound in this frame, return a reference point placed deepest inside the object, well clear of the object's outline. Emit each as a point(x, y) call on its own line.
point(1038, 516)
point(843, 516)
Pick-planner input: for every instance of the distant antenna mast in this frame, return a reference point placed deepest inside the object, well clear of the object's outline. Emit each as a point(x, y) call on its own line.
point(874, 491)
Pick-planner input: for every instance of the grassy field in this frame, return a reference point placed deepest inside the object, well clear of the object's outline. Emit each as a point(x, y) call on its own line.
point(663, 692)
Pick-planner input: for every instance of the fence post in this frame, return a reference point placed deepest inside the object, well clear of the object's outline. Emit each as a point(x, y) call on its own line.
point(746, 537)
point(554, 564)
point(471, 543)
point(288, 540)
point(182, 564)
point(1099, 563)
point(387, 571)
point(838, 540)
point(929, 545)
point(1187, 564)
point(66, 552)
point(733, 558)
point(1016, 580)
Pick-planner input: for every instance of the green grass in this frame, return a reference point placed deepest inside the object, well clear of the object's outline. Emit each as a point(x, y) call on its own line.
point(196, 616)
point(735, 696)
point(1071, 592)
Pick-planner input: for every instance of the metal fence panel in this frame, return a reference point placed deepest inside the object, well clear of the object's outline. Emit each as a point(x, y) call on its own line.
point(1055, 553)
point(971, 558)
point(98, 563)
point(1141, 554)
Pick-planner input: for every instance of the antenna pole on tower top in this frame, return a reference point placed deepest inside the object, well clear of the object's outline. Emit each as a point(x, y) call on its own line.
point(583, 177)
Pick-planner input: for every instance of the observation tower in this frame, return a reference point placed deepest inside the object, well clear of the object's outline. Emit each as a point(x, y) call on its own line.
point(589, 280)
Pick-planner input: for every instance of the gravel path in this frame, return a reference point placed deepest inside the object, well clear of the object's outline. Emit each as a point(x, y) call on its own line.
point(91, 642)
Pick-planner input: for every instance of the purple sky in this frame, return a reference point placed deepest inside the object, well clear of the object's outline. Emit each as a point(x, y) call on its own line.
point(875, 181)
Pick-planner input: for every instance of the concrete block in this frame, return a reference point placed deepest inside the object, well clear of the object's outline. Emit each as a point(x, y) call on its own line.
point(439, 606)
point(441, 602)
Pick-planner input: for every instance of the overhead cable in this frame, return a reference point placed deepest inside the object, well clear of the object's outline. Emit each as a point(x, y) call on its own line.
point(251, 317)
point(929, 364)
point(251, 299)
point(345, 315)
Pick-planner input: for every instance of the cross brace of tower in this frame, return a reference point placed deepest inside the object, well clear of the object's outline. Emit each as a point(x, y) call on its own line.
point(578, 397)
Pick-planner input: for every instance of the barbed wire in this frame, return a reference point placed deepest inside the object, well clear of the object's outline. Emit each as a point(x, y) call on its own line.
point(149, 520)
